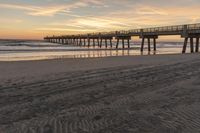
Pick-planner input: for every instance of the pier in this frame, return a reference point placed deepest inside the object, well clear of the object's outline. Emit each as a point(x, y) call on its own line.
point(190, 33)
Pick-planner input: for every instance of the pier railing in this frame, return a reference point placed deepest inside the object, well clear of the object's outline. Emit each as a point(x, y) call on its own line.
point(165, 29)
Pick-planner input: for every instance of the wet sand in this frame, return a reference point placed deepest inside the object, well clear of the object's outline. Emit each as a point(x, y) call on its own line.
point(139, 94)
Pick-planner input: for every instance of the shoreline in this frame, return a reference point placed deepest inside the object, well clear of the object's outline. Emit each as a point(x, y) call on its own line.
point(34, 67)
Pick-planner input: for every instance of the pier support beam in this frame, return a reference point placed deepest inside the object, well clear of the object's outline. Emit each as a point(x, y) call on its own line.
point(106, 43)
point(149, 44)
point(98, 43)
point(123, 38)
point(74, 41)
point(101, 41)
point(111, 43)
point(154, 44)
point(88, 42)
point(128, 41)
point(153, 37)
point(94, 42)
point(191, 37)
point(185, 45)
point(142, 45)
point(117, 45)
point(77, 41)
point(68, 41)
point(62, 41)
point(123, 45)
point(197, 44)
point(84, 42)
point(191, 45)
point(80, 41)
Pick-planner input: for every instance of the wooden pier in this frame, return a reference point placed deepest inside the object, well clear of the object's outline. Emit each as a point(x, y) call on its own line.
point(190, 32)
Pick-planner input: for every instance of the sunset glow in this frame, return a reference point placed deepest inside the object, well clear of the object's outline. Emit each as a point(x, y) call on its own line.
point(24, 19)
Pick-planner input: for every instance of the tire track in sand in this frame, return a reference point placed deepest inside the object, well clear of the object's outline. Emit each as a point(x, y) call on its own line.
point(61, 123)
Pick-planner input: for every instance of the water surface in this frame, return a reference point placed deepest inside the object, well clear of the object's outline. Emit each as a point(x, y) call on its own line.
point(18, 50)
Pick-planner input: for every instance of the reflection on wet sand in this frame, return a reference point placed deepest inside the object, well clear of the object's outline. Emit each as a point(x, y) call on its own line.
point(104, 53)
point(34, 55)
point(107, 53)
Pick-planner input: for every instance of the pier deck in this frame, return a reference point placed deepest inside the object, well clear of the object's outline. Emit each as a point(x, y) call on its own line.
point(188, 32)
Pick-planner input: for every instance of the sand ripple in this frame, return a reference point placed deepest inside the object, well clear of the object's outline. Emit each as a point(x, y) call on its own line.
point(153, 99)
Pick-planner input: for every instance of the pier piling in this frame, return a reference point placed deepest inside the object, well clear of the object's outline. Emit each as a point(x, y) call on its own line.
point(197, 44)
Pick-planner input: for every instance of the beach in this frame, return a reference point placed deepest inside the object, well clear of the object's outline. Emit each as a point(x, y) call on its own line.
point(124, 94)
point(99, 66)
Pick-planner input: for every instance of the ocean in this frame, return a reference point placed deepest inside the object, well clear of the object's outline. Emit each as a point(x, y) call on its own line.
point(19, 50)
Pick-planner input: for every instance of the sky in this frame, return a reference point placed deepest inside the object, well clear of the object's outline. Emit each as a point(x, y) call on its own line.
point(34, 19)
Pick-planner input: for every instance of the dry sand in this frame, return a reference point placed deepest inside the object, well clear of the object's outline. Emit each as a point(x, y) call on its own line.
point(140, 94)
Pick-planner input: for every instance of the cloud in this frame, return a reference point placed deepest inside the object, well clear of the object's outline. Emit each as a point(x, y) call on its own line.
point(150, 11)
point(90, 23)
point(51, 10)
point(131, 18)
